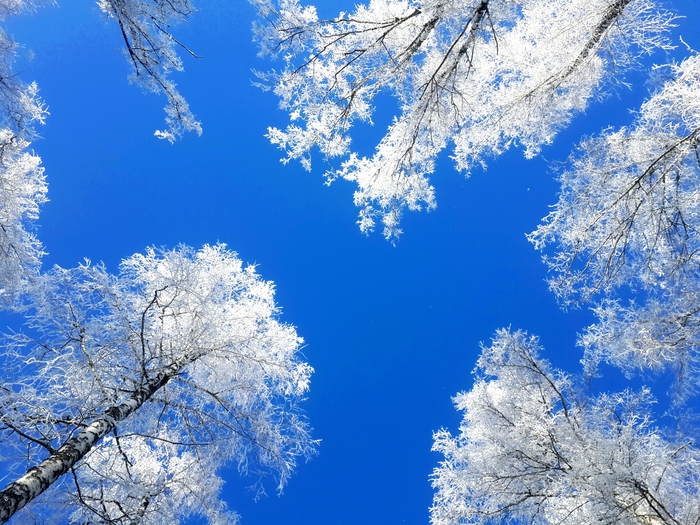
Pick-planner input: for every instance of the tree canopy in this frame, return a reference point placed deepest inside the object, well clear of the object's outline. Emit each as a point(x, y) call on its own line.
point(22, 184)
point(125, 395)
point(179, 365)
point(627, 216)
point(533, 449)
point(482, 76)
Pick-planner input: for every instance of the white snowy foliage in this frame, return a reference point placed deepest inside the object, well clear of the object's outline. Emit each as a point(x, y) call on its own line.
point(152, 51)
point(160, 483)
point(22, 184)
point(481, 75)
point(629, 216)
point(20, 106)
point(97, 339)
point(22, 191)
point(532, 450)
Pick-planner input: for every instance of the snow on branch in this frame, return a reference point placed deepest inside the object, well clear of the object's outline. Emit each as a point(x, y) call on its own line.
point(152, 51)
point(22, 183)
point(627, 218)
point(480, 75)
point(532, 449)
point(140, 387)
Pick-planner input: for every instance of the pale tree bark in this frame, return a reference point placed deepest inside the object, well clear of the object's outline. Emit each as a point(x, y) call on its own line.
point(142, 386)
point(40, 477)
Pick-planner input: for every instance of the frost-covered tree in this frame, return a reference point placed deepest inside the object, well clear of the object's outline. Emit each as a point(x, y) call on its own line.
point(152, 51)
point(628, 216)
point(20, 107)
point(129, 392)
point(532, 449)
point(150, 46)
point(22, 184)
point(482, 75)
point(22, 191)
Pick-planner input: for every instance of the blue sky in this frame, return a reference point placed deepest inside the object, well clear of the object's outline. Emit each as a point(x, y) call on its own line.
point(393, 332)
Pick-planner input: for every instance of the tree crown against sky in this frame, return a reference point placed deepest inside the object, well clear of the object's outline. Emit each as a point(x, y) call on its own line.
point(627, 218)
point(140, 387)
point(190, 344)
point(482, 76)
point(22, 183)
point(533, 449)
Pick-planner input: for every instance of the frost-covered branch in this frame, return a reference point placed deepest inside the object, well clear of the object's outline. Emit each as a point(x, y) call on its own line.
point(22, 184)
point(152, 51)
point(22, 191)
point(482, 75)
point(628, 216)
point(521, 457)
point(144, 385)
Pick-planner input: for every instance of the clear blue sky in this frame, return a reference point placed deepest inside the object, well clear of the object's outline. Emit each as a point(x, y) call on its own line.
point(393, 332)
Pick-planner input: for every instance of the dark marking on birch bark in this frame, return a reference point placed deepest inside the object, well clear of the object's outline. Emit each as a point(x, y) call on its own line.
point(40, 477)
point(612, 13)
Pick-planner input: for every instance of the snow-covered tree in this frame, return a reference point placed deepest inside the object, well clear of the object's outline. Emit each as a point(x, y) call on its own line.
point(482, 75)
point(629, 216)
point(152, 51)
point(22, 191)
point(20, 107)
point(129, 392)
point(22, 184)
point(532, 449)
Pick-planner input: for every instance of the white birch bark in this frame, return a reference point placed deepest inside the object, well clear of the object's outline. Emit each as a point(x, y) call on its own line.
point(150, 382)
point(40, 477)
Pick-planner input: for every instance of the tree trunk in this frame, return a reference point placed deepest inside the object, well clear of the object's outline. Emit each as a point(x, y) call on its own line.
point(40, 477)
point(611, 15)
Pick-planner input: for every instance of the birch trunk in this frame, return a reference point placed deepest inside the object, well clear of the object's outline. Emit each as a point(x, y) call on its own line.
point(40, 477)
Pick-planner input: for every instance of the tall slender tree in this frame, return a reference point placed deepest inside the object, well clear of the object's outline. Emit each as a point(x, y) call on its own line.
point(137, 388)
